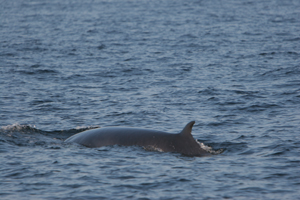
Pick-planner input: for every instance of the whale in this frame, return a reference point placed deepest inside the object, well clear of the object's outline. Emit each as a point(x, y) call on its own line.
point(182, 142)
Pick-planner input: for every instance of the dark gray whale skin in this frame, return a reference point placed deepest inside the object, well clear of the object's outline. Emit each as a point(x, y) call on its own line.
point(182, 142)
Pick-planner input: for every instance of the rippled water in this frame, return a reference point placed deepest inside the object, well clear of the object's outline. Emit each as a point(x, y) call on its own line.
point(68, 66)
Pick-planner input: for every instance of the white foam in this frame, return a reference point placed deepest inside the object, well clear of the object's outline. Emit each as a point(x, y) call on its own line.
point(209, 149)
point(17, 127)
point(152, 148)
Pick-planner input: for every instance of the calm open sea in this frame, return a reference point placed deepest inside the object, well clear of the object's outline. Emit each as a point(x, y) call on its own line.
point(232, 66)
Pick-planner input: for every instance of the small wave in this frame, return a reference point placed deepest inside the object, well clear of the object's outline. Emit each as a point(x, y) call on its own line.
point(64, 134)
point(32, 128)
point(29, 135)
point(36, 71)
point(292, 39)
point(152, 148)
point(25, 135)
point(19, 128)
point(234, 147)
point(282, 72)
point(203, 146)
point(258, 107)
point(210, 149)
point(209, 91)
point(289, 148)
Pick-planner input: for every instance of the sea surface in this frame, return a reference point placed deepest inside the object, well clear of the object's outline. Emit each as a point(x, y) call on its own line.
point(68, 66)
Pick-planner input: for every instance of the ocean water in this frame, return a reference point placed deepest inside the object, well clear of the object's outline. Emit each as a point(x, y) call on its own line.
point(69, 66)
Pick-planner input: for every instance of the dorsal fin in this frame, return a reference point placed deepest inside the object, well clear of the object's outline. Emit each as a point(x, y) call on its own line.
point(187, 130)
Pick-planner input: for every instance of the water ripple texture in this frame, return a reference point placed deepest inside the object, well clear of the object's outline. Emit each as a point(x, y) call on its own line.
point(69, 66)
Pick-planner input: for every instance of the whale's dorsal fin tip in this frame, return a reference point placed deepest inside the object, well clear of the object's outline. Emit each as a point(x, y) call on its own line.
point(187, 130)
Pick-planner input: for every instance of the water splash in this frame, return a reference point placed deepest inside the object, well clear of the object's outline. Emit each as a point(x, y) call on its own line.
point(210, 149)
point(19, 128)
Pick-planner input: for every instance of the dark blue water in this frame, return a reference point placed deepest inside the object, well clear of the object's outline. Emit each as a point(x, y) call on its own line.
point(68, 66)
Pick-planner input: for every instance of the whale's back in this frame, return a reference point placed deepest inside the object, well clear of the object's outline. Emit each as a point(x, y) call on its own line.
point(125, 137)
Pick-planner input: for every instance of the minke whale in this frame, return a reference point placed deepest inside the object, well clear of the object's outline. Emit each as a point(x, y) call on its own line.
point(182, 142)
